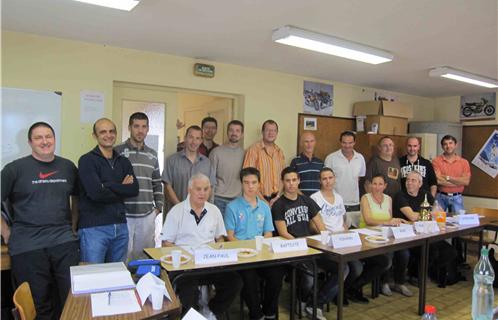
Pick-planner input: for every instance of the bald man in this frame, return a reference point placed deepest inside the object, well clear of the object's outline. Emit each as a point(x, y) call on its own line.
point(307, 165)
point(106, 179)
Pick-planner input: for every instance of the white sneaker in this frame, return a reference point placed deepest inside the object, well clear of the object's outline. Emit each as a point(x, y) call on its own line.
point(401, 288)
point(209, 315)
point(319, 313)
point(386, 290)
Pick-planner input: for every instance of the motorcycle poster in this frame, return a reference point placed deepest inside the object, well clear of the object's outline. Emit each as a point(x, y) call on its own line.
point(318, 98)
point(478, 106)
point(487, 158)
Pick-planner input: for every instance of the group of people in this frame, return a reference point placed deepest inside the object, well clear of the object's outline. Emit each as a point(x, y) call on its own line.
point(55, 215)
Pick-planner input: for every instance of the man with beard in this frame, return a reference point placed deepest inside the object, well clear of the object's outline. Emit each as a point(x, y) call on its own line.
point(226, 161)
point(141, 211)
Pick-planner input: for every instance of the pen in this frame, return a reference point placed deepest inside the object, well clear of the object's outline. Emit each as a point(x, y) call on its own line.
point(109, 298)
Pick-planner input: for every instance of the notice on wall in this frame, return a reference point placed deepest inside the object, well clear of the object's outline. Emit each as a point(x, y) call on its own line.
point(91, 106)
point(487, 158)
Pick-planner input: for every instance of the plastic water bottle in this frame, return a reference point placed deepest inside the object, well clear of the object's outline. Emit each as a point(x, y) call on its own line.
point(482, 294)
point(429, 313)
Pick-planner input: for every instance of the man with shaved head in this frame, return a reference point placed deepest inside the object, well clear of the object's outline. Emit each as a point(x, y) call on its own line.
point(307, 165)
point(106, 179)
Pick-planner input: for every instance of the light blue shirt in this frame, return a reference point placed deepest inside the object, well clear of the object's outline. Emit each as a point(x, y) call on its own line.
point(246, 221)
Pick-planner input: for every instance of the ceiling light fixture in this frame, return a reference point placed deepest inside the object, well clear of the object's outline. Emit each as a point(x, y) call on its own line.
point(450, 73)
point(300, 38)
point(126, 5)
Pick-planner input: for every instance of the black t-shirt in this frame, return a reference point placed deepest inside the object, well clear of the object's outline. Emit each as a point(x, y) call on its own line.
point(390, 170)
point(403, 199)
point(296, 214)
point(423, 166)
point(39, 195)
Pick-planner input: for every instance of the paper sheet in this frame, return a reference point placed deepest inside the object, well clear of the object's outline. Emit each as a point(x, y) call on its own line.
point(147, 284)
point(317, 237)
point(367, 232)
point(120, 302)
point(192, 314)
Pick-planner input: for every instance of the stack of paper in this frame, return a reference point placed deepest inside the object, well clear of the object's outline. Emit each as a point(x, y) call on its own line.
point(100, 277)
point(115, 302)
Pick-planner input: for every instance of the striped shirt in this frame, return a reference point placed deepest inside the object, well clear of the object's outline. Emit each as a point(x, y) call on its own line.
point(146, 169)
point(270, 165)
point(309, 173)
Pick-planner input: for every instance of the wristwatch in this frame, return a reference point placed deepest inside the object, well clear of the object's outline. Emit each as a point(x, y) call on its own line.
point(447, 178)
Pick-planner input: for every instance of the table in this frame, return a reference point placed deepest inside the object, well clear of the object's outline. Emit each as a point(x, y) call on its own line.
point(80, 307)
point(342, 256)
point(265, 258)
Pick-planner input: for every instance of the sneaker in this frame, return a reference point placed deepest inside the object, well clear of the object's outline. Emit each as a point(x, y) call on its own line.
point(401, 288)
point(357, 296)
point(210, 316)
point(386, 290)
point(319, 313)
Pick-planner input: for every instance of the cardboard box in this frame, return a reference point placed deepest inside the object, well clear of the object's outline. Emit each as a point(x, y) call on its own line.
point(382, 108)
point(388, 125)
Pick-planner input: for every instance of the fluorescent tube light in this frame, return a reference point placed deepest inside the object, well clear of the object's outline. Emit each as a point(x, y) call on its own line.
point(450, 73)
point(300, 38)
point(126, 5)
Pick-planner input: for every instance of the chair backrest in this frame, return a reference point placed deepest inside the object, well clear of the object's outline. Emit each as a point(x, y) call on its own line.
point(488, 212)
point(23, 300)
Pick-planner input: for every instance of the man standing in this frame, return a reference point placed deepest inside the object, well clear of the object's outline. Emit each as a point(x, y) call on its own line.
point(348, 166)
point(307, 166)
point(141, 211)
point(269, 159)
point(196, 222)
point(412, 161)
point(107, 179)
point(387, 164)
point(247, 217)
point(209, 127)
point(42, 191)
point(184, 164)
point(452, 173)
point(226, 161)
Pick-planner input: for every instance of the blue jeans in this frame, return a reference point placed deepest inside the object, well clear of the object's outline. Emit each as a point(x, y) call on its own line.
point(221, 203)
point(101, 244)
point(450, 203)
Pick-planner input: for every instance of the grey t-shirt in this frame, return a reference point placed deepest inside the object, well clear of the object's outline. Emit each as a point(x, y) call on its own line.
point(178, 169)
point(227, 163)
point(391, 171)
point(39, 194)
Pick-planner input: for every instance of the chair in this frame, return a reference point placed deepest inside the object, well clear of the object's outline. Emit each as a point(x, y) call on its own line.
point(487, 238)
point(23, 301)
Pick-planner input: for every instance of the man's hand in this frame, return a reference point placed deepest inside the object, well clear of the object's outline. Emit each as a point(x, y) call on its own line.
point(5, 232)
point(128, 179)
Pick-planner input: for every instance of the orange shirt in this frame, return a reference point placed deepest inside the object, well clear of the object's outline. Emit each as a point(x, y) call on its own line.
point(459, 167)
point(270, 165)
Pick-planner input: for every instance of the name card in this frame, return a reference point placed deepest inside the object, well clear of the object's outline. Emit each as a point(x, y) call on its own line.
point(426, 227)
point(468, 219)
point(403, 231)
point(344, 240)
point(208, 256)
point(289, 245)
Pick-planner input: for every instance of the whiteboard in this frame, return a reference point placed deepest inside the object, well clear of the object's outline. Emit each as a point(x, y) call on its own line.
point(20, 109)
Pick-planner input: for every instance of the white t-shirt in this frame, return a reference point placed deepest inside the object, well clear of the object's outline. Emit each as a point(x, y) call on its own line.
point(332, 213)
point(347, 174)
point(182, 229)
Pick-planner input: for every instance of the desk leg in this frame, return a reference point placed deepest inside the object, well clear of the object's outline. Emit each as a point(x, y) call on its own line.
point(340, 292)
point(422, 276)
point(315, 280)
point(293, 294)
point(481, 236)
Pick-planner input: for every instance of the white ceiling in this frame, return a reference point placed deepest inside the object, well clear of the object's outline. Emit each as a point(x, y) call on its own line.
point(420, 33)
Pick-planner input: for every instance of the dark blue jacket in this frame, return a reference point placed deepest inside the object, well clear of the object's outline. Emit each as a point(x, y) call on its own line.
point(101, 189)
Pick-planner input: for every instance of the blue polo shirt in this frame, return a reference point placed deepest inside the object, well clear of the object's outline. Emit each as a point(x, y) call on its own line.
point(309, 173)
point(246, 221)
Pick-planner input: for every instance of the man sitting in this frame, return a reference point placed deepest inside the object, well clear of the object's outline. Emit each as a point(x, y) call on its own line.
point(196, 222)
point(245, 218)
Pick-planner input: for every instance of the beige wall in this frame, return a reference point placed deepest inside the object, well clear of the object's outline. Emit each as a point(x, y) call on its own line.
point(448, 109)
point(42, 63)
